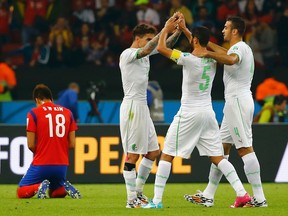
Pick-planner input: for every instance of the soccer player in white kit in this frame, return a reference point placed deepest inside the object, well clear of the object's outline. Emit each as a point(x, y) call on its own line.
point(136, 127)
point(195, 123)
point(238, 111)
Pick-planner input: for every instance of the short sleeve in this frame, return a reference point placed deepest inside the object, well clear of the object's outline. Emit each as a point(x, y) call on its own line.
point(31, 122)
point(184, 58)
point(236, 49)
point(73, 125)
point(129, 55)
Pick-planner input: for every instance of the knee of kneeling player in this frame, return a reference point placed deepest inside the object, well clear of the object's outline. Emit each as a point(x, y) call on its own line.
point(26, 191)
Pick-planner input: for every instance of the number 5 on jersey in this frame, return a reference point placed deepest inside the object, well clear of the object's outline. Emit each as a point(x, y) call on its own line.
point(206, 77)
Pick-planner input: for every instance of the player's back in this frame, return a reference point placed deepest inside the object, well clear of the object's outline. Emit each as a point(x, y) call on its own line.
point(52, 124)
point(198, 76)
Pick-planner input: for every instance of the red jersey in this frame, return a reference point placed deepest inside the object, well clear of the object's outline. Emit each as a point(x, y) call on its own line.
point(52, 124)
point(4, 21)
point(35, 8)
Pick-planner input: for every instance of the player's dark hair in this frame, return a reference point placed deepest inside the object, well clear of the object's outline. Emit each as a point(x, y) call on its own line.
point(203, 35)
point(279, 99)
point(42, 92)
point(143, 29)
point(237, 23)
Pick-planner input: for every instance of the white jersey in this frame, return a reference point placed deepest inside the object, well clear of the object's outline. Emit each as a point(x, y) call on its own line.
point(238, 77)
point(239, 106)
point(195, 124)
point(198, 75)
point(135, 74)
point(136, 127)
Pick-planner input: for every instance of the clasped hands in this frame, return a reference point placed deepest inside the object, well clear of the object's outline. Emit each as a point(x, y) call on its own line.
point(175, 22)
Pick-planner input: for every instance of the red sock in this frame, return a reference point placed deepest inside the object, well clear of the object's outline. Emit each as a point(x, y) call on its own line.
point(58, 193)
point(27, 191)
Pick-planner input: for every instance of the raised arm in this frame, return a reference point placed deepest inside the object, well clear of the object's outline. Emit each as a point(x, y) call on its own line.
point(216, 48)
point(162, 45)
point(188, 34)
point(148, 48)
point(223, 57)
point(184, 29)
point(171, 41)
point(220, 57)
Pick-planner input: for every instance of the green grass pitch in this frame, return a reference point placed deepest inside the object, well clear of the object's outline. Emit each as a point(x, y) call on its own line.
point(110, 199)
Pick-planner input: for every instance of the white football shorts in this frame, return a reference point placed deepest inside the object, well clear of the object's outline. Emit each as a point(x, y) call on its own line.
point(236, 127)
point(193, 127)
point(136, 127)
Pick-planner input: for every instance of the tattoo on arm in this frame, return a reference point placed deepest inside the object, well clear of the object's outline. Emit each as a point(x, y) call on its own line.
point(171, 41)
point(150, 46)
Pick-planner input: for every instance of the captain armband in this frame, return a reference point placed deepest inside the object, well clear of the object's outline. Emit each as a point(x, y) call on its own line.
point(175, 55)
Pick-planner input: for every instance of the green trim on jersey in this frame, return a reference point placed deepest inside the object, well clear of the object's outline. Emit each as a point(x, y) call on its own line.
point(137, 53)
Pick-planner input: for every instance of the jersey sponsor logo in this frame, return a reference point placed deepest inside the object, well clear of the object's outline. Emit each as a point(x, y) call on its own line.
point(235, 48)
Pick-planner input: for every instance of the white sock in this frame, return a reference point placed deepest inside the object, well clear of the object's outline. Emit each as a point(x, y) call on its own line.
point(231, 175)
point(130, 181)
point(252, 171)
point(162, 176)
point(215, 176)
point(143, 173)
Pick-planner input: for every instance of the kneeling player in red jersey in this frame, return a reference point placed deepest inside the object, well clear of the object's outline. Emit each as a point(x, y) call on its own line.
point(50, 133)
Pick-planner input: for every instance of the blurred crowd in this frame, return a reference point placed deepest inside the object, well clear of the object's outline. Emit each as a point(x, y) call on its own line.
point(75, 32)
